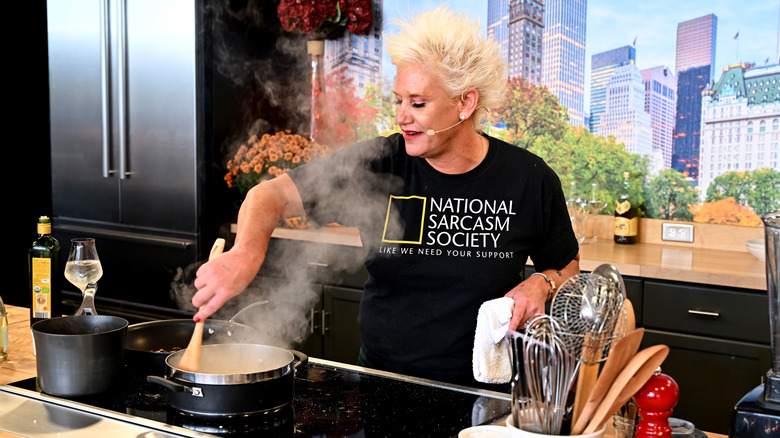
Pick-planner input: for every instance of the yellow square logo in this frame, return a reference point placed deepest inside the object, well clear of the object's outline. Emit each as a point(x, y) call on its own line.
point(409, 230)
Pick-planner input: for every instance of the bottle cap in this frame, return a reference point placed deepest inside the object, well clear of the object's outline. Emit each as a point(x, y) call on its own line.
point(44, 225)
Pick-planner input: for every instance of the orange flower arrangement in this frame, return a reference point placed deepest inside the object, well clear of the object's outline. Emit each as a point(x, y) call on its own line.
point(268, 157)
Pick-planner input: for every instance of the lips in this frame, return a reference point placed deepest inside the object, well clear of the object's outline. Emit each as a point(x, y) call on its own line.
point(410, 134)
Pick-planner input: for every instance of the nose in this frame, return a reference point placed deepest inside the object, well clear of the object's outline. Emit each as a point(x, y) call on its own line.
point(402, 114)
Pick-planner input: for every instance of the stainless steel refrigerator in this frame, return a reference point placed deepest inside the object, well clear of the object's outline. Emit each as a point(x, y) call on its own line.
point(136, 138)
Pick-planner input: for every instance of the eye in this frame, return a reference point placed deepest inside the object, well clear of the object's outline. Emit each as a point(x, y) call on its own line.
point(397, 102)
point(417, 105)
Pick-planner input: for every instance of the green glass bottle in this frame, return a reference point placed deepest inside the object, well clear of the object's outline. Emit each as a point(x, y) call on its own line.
point(626, 213)
point(43, 264)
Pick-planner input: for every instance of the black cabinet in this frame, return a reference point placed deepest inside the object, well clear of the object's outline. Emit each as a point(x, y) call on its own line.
point(336, 275)
point(719, 346)
point(334, 331)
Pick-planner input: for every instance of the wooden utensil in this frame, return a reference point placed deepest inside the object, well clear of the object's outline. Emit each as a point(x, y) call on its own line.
point(621, 351)
point(589, 368)
point(635, 374)
point(190, 359)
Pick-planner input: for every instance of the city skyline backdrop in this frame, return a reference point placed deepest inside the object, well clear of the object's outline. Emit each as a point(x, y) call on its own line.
point(653, 25)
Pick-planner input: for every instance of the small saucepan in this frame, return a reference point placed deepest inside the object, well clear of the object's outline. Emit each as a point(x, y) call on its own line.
point(232, 379)
point(149, 343)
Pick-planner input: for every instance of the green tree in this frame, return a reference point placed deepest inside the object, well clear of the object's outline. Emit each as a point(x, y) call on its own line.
point(765, 191)
point(670, 196)
point(380, 96)
point(758, 189)
point(729, 185)
point(530, 112)
point(582, 158)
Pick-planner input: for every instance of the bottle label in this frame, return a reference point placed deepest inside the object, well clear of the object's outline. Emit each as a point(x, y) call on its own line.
point(41, 287)
point(626, 227)
point(622, 207)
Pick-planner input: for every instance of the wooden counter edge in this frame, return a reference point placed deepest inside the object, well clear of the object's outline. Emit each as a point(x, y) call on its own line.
point(652, 261)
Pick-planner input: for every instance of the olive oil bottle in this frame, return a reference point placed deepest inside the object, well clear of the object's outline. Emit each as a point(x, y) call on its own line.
point(626, 213)
point(43, 264)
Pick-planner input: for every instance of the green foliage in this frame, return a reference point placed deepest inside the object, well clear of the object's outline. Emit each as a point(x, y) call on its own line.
point(758, 189)
point(530, 112)
point(670, 196)
point(379, 96)
point(582, 158)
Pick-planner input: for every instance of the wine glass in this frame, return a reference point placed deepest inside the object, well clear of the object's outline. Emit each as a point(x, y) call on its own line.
point(83, 270)
point(596, 203)
point(578, 214)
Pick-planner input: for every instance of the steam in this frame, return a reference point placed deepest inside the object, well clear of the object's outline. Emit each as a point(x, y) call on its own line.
point(275, 96)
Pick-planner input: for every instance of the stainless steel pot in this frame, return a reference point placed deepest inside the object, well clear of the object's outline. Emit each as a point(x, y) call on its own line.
point(79, 355)
point(232, 379)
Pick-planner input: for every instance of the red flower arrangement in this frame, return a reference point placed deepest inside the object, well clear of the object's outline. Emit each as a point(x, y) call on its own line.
point(325, 17)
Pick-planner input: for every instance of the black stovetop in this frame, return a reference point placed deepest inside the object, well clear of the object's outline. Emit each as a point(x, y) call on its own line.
point(330, 400)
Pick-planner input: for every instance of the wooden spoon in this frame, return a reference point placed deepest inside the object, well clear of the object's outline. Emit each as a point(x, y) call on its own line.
point(190, 360)
point(635, 374)
point(620, 353)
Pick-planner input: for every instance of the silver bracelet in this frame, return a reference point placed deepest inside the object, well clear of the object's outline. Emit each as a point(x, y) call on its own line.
point(549, 280)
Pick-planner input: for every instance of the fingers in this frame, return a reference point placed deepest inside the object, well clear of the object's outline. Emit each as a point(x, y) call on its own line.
point(524, 308)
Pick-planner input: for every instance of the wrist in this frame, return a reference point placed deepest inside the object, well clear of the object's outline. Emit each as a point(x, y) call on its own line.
point(550, 283)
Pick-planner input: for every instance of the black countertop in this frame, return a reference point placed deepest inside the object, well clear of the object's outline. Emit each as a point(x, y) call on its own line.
point(331, 400)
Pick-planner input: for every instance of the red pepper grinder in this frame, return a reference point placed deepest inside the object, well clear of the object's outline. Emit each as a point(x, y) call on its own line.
point(655, 402)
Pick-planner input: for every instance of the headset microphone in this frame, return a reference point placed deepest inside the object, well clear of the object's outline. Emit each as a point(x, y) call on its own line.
point(431, 132)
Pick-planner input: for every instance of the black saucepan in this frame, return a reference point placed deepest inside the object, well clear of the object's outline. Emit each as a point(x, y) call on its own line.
point(149, 343)
point(79, 355)
point(232, 379)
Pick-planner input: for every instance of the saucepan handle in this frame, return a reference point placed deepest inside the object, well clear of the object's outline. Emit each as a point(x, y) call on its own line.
point(303, 359)
point(168, 384)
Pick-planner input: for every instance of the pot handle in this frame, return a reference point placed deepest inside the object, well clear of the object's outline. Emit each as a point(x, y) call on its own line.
point(169, 384)
point(303, 359)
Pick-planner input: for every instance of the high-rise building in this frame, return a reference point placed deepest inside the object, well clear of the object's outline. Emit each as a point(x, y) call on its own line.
point(696, 44)
point(498, 24)
point(518, 27)
point(660, 103)
point(526, 28)
point(563, 58)
point(359, 55)
point(687, 124)
point(602, 65)
point(624, 116)
point(694, 69)
point(740, 122)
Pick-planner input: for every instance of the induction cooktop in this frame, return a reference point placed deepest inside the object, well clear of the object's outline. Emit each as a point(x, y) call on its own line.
point(331, 399)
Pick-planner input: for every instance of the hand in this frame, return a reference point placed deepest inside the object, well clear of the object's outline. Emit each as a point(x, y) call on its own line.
point(529, 297)
point(222, 278)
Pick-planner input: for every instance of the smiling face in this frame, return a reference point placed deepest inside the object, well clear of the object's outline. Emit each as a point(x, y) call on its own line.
point(423, 104)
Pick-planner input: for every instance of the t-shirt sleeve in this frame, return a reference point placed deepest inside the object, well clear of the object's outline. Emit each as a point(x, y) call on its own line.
point(558, 245)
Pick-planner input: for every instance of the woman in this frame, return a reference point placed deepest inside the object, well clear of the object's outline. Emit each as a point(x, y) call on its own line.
point(447, 215)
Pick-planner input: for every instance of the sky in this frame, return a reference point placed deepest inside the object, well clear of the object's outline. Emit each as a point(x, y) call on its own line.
point(615, 23)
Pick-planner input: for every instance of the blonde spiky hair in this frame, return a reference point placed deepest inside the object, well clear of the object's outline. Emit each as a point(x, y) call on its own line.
point(450, 43)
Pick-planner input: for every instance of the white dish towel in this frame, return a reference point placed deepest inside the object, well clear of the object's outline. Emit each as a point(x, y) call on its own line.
point(491, 361)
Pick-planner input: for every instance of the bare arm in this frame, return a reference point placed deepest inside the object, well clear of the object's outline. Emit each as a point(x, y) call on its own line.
point(227, 275)
point(531, 295)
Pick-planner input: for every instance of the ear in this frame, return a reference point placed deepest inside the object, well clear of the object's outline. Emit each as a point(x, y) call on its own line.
point(469, 102)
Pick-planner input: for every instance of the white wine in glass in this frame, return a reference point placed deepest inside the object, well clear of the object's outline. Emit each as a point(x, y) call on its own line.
point(83, 270)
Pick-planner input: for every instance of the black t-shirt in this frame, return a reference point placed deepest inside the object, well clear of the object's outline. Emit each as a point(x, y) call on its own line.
point(437, 246)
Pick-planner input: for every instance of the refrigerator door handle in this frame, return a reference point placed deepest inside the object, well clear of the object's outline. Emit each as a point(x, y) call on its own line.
point(105, 85)
point(170, 242)
point(122, 94)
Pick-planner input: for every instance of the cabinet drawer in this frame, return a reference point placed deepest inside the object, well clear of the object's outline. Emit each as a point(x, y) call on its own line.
point(727, 314)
